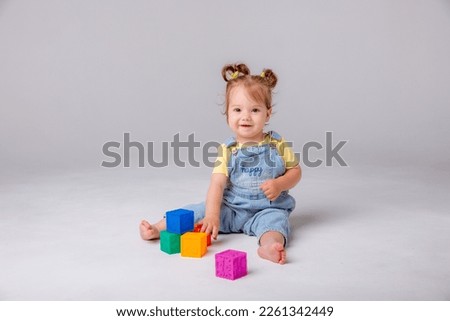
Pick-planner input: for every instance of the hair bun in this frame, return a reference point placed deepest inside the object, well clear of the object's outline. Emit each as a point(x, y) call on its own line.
point(269, 77)
point(231, 72)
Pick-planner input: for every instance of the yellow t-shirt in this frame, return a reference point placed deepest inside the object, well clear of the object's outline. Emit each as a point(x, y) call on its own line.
point(286, 153)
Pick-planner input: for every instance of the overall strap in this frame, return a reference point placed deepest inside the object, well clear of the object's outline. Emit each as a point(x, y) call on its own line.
point(275, 135)
point(230, 142)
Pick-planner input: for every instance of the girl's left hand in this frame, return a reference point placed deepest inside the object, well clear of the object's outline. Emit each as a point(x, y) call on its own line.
point(271, 189)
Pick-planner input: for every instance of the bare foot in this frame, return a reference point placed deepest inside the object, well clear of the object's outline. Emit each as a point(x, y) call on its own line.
point(148, 231)
point(274, 252)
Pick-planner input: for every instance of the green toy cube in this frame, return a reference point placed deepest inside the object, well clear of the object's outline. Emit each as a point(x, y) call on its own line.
point(169, 242)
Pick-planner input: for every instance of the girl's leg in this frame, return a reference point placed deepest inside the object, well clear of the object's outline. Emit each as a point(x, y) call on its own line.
point(271, 227)
point(151, 232)
point(271, 247)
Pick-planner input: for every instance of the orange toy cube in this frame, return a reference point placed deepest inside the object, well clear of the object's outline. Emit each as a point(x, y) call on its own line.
point(197, 228)
point(193, 244)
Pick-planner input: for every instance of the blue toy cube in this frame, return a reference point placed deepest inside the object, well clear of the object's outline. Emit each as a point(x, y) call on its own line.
point(179, 221)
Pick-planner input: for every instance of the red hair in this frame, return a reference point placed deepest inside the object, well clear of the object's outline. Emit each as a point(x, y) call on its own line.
point(259, 87)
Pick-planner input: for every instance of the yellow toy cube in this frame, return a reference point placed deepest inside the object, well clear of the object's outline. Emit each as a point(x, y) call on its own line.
point(193, 244)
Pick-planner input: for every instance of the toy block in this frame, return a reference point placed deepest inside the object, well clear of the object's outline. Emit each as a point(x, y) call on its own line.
point(231, 264)
point(169, 242)
point(197, 229)
point(193, 244)
point(179, 221)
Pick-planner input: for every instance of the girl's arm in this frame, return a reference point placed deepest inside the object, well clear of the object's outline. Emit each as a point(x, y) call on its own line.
point(211, 222)
point(272, 188)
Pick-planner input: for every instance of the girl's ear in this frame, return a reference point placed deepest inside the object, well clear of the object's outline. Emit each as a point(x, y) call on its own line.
point(269, 113)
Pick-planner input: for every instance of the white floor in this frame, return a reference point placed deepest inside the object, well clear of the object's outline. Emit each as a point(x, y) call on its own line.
point(366, 234)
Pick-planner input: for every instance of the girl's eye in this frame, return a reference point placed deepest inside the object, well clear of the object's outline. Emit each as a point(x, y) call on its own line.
point(255, 110)
point(236, 109)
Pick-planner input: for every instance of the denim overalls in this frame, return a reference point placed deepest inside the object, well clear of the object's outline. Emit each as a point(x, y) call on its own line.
point(245, 208)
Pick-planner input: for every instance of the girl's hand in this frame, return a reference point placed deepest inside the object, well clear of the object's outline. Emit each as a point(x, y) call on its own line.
point(210, 225)
point(271, 189)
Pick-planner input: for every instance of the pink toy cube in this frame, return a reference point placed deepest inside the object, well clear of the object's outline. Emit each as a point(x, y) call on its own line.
point(231, 264)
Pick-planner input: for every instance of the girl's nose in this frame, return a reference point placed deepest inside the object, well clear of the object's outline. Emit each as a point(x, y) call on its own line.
point(246, 115)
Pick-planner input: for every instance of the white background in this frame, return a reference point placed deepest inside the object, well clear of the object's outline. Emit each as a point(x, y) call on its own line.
point(77, 74)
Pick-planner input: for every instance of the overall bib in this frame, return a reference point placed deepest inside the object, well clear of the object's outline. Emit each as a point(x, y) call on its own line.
point(245, 208)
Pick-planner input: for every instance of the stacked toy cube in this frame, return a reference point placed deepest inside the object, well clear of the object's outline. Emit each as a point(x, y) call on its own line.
point(231, 264)
point(197, 228)
point(180, 236)
point(193, 244)
point(169, 242)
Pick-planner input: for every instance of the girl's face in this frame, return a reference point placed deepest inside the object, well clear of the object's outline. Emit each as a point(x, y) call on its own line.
point(246, 117)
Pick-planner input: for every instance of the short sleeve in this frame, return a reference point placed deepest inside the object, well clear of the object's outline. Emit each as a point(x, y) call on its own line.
point(288, 155)
point(221, 163)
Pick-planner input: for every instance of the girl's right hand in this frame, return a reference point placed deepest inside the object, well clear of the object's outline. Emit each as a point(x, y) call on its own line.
point(210, 225)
